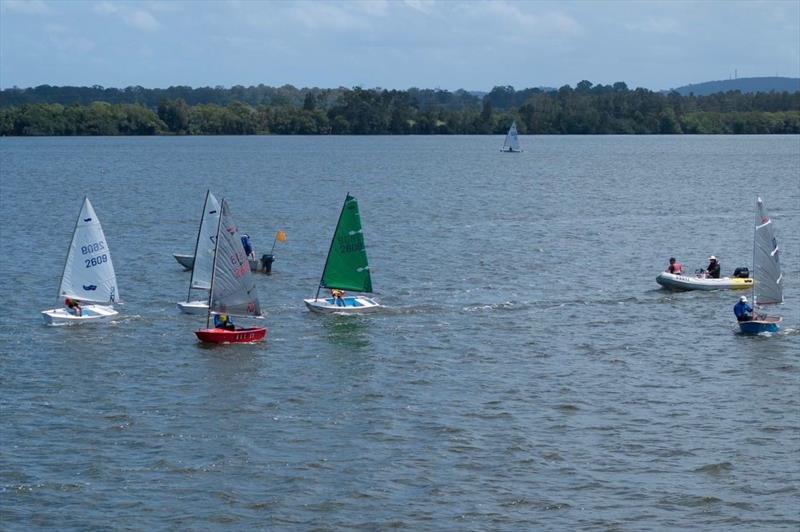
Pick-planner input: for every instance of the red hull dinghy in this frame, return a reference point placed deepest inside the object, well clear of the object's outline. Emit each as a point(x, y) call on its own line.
point(239, 336)
point(232, 288)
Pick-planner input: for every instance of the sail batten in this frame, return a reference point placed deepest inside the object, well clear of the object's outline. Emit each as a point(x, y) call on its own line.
point(233, 288)
point(346, 267)
point(88, 271)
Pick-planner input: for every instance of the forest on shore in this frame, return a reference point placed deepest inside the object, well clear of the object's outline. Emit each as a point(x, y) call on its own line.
point(586, 109)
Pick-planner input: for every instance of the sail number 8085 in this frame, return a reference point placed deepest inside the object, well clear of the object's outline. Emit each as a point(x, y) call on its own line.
point(92, 248)
point(94, 261)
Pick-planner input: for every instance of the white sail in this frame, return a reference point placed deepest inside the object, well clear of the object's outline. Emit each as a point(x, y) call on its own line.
point(233, 288)
point(204, 249)
point(512, 142)
point(768, 289)
point(88, 272)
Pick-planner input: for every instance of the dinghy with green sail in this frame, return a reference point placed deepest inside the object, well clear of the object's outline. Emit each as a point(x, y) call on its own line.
point(346, 268)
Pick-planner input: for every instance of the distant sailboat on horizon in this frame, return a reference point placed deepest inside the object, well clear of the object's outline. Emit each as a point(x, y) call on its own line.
point(511, 144)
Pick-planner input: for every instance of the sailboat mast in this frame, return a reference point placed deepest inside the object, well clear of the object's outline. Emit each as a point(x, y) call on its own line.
point(214, 265)
point(197, 243)
point(331, 246)
point(755, 234)
point(69, 248)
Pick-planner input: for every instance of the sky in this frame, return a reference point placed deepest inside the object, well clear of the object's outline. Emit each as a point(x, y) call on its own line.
point(396, 44)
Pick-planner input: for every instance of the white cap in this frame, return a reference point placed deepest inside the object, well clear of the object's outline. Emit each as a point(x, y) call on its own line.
point(743, 299)
point(712, 257)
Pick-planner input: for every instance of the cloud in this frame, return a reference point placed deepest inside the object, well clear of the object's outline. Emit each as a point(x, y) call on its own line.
point(27, 7)
point(423, 6)
point(64, 40)
point(105, 8)
point(139, 19)
point(549, 23)
point(142, 20)
point(661, 26)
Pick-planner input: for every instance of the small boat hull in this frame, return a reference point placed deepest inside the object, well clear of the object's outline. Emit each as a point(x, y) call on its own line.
point(510, 151)
point(193, 307)
point(239, 336)
point(689, 282)
point(767, 324)
point(352, 305)
point(89, 314)
point(187, 261)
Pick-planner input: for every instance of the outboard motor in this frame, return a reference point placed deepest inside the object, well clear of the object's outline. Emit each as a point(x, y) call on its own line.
point(741, 273)
point(266, 263)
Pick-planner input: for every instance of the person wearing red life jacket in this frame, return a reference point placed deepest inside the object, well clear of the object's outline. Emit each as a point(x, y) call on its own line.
point(674, 267)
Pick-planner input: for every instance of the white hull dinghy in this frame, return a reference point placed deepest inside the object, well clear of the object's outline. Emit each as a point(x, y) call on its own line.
point(347, 305)
point(187, 261)
point(698, 282)
point(193, 307)
point(346, 268)
point(89, 313)
point(203, 259)
point(88, 275)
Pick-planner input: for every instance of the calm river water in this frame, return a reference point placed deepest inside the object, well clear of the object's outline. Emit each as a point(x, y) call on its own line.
point(527, 373)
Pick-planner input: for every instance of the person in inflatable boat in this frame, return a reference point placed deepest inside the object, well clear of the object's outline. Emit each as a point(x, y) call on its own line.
point(712, 270)
point(338, 297)
point(742, 310)
point(73, 306)
point(674, 266)
point(223, 321)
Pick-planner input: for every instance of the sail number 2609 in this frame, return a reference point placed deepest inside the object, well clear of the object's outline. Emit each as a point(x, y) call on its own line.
point(94, 261)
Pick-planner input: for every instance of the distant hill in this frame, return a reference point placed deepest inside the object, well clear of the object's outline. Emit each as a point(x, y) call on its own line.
point(743, 85)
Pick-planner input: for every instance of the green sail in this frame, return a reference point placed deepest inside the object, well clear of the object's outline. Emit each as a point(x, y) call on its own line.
point(346, 267)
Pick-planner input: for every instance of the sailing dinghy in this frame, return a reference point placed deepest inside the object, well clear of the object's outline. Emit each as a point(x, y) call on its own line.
point(203, 259)
point(768, 286)
point(511, 144)
point(233, 288)
point(346, 267)
point(88, 274)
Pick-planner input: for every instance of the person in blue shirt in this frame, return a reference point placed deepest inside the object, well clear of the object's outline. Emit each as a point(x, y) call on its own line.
point(248, 246)
point(223, 321)
point(743, 311)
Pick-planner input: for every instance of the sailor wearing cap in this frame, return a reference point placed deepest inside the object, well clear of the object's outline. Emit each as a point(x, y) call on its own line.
point(743, 311)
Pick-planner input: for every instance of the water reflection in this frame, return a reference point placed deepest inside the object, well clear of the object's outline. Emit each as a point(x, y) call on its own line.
point(348, 333)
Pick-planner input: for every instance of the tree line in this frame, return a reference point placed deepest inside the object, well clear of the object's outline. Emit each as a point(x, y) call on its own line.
point(584, 109)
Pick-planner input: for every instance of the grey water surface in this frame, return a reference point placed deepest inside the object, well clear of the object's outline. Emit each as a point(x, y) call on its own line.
point(527, 372)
